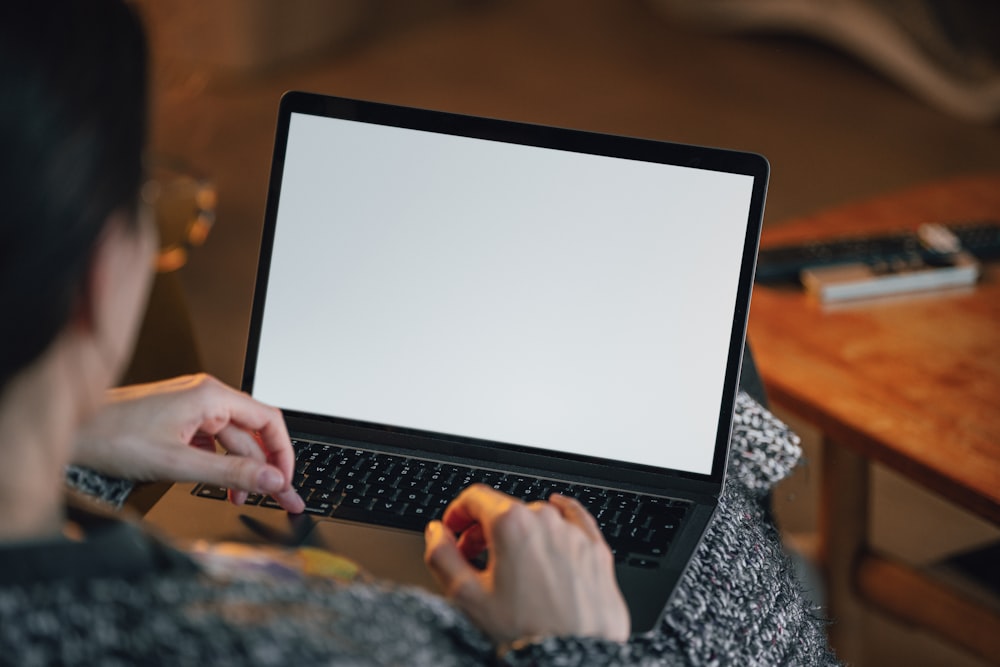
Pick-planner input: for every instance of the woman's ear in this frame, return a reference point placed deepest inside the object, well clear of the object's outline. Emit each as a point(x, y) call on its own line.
point(112, 295)
point(89, 294)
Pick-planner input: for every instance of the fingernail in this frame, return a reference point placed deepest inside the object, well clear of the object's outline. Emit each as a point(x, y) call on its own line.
point(270, 480)
point(292, 501)
point(432, 529)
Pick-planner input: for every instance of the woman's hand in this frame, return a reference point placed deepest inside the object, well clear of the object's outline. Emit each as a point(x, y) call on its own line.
point(549, 571)
point(168, 431)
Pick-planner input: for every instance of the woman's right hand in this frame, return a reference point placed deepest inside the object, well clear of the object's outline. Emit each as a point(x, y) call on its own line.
point(167, 431)
point(549, 571)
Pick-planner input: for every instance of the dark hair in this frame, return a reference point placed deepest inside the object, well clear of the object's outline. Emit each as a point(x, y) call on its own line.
point(72, 129)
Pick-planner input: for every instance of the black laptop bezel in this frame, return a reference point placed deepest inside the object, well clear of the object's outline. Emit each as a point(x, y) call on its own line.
point(619, 473)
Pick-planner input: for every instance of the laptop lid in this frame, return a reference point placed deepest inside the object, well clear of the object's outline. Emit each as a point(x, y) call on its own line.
point(505, 292)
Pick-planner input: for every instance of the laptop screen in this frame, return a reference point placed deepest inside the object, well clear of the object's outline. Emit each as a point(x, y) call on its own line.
point(553, 299)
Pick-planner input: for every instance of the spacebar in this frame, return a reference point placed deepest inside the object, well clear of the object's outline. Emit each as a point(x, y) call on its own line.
point(380, 518)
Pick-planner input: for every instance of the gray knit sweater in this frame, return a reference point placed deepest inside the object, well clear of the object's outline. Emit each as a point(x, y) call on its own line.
point(121, 597)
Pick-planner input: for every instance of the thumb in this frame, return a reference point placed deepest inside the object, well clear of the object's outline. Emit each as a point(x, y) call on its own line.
point(457, 577)
point(240, 474)
point(235, 472)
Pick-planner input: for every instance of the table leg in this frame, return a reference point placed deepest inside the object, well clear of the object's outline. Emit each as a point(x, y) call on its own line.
point(843, 535)
point(912, 597)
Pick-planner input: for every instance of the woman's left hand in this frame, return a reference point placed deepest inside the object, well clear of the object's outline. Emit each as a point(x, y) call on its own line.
point(549, 571)
point(168, 430)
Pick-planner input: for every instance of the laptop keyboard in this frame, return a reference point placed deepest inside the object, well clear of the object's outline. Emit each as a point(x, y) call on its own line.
point(404, 492)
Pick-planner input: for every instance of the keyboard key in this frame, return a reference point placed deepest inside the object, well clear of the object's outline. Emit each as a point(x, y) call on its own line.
point(354, 502)
point(389, 506)
point(382, 492)
point(439, 502)
point(442, 489)
point(392, 519)
point(355, 474)
point(423, 469)
point(323, 496)
point(607, 515)
point(562, 488)
point(317, 470)
point(381, 479)
point(532, 492)
point(268, 501)
point(487, 477)
point(353, 488)
point(418, 511)
point(412, 497)
point(319, 508)
point(316, 482)
point(209, 491)
point(413, 485)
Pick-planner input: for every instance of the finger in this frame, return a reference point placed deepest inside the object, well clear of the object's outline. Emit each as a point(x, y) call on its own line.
point(551, 520)
point(134, 391)
point(477, 503)
point(272, 435)
point(290, 500)
point(203, 441)
point(457, 578)
point(472, 542)
point(276, 443)
point(266, 479)
point(235, 472)
point(237, 440)
point(222, 406)
point(577, 514)
point(548, 513)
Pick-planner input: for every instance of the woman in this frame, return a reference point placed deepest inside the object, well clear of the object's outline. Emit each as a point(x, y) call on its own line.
point(80, 587)
point(77, 251)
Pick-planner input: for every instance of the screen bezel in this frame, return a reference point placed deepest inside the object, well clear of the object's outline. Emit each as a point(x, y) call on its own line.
point(700, 157)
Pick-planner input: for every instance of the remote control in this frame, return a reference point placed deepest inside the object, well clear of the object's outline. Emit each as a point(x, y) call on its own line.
point(785, 263)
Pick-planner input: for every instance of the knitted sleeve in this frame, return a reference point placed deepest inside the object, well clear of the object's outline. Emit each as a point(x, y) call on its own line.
point(763, 450)
point(739, 602)
point(109, 490)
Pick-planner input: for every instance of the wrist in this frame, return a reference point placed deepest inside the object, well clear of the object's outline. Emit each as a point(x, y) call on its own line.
point(564, 649)
point(505, 648)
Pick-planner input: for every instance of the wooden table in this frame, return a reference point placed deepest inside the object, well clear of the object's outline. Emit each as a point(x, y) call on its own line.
point(912, 383)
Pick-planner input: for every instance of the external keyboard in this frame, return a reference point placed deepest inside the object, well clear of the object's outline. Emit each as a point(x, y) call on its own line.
point(405, 492)
point(785, 263)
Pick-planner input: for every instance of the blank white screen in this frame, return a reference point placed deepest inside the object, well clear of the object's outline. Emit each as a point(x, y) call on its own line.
point(545, 298)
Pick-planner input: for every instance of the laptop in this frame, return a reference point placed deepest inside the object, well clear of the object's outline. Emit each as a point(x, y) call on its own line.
point(444, 299)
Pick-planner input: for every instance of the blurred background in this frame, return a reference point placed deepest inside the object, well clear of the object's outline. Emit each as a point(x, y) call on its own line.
point(827, 96)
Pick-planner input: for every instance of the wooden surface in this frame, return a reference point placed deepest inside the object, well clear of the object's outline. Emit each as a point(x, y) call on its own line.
point(912, 382)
